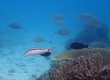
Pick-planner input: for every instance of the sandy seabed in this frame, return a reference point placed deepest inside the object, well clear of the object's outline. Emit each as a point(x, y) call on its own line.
point(15, 66)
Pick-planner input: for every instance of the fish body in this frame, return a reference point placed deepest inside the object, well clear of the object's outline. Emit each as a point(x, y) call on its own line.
point(58, 23)
point(59, 16)
point(38, 51)
point(96, 21)
point(63, 32)
point(91, 25)
point(77, 45)
point(38, 39)
point(87, 16)
point(15, 25)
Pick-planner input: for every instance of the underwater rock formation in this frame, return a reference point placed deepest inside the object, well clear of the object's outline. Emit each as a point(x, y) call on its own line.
point(76, 53)
point(88, 36)
point(102, 33)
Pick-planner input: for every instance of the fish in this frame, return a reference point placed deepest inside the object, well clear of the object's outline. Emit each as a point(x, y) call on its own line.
point(63, 32)
point(58, 23)
point(76, 45)
point(39, 51)
point(86, 16)
point(96, 21)
point(91, 25)
point(38, 39)
point(15, 26)
point(58, 16)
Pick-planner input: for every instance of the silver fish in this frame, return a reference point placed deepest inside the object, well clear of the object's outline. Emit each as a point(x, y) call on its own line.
point(36, 51)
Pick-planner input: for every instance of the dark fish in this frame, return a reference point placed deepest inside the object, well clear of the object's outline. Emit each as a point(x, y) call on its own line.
point(77, 45)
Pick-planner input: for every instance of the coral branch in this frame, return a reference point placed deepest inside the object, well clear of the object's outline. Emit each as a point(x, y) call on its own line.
point(83, 68)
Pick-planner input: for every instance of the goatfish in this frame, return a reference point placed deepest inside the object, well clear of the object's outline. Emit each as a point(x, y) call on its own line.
point(38, 51)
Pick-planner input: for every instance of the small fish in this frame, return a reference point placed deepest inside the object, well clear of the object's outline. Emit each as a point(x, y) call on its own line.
point(38, 39)
point(91, 25)
point(86, 16)
point(15, 25)
point(40, 51)
point(77, 45)
point(58, 16)
point(96, 21)
point(63, 32)
point(58, 23)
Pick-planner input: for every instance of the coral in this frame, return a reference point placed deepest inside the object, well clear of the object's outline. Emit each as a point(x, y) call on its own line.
point(102, 32)
point(83, 68)
point(84, 36)
point(87, 36)
point(98, 45)
point(76, 53)
point(54, 63)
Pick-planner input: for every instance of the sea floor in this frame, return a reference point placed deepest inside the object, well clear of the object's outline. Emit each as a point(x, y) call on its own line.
point(15, 66)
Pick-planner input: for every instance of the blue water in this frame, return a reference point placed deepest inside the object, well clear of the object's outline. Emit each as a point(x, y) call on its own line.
point(35, 16)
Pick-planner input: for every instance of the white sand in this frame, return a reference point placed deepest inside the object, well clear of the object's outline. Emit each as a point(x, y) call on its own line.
point(15, 66)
